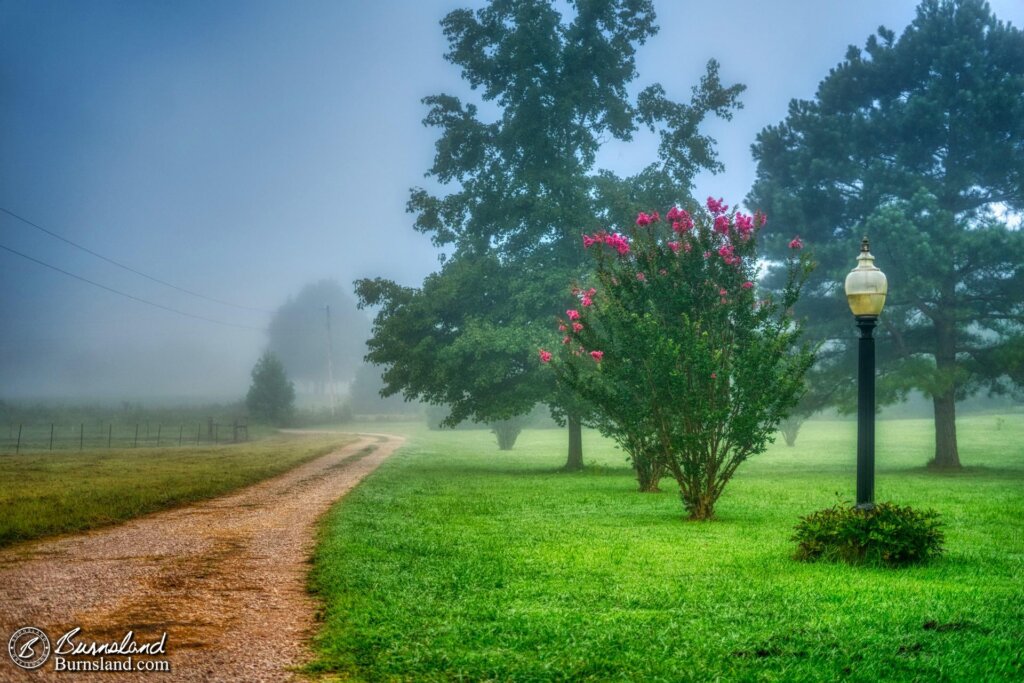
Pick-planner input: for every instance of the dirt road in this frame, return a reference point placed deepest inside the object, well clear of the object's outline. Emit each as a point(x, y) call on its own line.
point(225, 579)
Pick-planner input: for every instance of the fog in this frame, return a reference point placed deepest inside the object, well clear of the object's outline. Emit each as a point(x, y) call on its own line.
point(243, 150)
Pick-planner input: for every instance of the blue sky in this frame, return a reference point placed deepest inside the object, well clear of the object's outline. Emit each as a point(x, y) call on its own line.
point(244, 149)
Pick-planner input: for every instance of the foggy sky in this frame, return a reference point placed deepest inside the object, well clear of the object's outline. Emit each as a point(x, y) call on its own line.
point(244, 149)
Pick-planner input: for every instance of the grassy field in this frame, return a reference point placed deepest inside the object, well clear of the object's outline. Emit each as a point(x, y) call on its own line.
point(457, 562)
point(51, 493)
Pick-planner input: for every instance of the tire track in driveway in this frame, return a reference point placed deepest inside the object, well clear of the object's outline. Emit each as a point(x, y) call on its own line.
point(225, 578)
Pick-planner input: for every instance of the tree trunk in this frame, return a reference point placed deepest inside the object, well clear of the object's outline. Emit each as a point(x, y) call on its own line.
point(790, 427)
point(946, 454)
point(702, 509)
point(574, 462)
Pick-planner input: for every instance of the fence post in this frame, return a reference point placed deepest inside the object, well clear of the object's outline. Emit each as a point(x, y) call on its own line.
point(158, 428)
point(51, 436)
point(17, 449)
point(110, 433)
point(136, 444)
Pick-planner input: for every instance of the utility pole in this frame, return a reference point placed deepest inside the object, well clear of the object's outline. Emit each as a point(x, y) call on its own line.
point(330, 363)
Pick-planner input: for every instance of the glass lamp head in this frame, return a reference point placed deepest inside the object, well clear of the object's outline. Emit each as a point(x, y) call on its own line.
point(866, 285)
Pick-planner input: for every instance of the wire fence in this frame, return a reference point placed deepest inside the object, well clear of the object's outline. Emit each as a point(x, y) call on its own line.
point(36, 436)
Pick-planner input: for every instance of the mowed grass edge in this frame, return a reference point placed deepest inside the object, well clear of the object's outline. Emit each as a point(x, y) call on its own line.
point(43, 494)
point(456, 562)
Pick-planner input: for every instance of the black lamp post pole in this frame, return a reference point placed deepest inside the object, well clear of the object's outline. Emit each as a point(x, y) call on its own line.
point(866, 412)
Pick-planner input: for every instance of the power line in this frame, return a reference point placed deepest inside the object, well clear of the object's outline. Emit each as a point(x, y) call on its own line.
point(129, 296)
point(128, 268)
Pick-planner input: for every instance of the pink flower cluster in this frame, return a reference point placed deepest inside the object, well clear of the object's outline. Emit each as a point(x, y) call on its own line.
point(587, 297)
point(545, 356)
point(722, 224)
point(616, 241)
point(795, 243)
point(716, 206)
point(645, 219)
point(727, 252)
point(572, 314)
point(681, 220)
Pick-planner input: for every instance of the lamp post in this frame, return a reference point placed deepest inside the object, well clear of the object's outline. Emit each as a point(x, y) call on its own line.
point(866, 288)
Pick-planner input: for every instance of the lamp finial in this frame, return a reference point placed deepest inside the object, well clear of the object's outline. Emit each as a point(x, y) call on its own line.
point(864, 245)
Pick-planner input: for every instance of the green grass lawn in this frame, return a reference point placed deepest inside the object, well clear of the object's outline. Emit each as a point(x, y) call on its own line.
point(455, 561)
point(50, 493)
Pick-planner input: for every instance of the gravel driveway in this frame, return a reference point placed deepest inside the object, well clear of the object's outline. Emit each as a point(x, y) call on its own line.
point(225, 579)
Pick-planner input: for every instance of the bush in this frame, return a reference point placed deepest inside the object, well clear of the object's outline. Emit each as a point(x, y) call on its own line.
point(887, 535)
point(689, 365)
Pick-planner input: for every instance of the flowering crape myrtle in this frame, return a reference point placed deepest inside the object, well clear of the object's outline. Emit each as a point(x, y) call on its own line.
point(690, 368)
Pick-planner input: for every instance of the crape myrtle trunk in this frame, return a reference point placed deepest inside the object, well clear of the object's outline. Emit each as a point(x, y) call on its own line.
point(574, 461)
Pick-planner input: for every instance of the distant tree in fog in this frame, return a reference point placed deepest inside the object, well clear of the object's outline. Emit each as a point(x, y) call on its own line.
point(271, 397)
point(298, 334)
point(917, 142)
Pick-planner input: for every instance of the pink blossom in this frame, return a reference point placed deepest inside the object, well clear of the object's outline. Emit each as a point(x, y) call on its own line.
point(588, 241)
point(562, 327)
point(545, 356)
point(565, 340)
point(722, 292)
point(674, 246)
point(714, 375)
point(722, 224)
point(726, 252)
point(586, 300)
point(687, 247)
point(716, 206)
point(641, 277)
point(577, 327)
point(672, 214)
point(591, 292)
point(617, 242)
point(747, 285)
point(745, 224)
point(795, 243)
point(760, 219)
point(707, 254)
point(573, 314)
point(597, 355)
point(655, 217)
point(682, 221)
point(643, 219)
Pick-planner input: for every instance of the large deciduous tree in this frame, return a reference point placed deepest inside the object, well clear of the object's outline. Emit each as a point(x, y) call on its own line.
point(917, 142)
point(519, 184)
